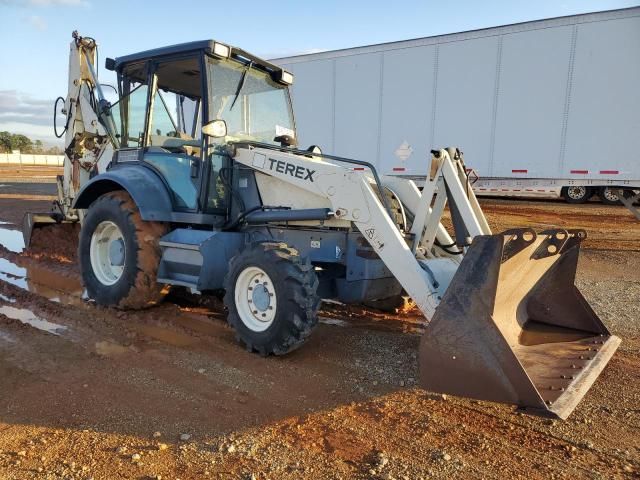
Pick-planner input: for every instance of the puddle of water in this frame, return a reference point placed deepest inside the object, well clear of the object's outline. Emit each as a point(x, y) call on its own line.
point(33, 279)
point(13, 274)
point(165, 335)
point(27, 316)
point(11, 239)
point(43, 282)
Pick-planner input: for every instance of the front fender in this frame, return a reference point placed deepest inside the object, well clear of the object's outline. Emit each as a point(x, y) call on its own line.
point(145, 187)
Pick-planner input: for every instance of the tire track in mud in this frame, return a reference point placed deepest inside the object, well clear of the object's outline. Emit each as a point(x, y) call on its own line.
point(124, 335)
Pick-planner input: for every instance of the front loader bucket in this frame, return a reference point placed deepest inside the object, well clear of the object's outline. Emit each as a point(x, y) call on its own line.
point(32, 221)
point(513, 328)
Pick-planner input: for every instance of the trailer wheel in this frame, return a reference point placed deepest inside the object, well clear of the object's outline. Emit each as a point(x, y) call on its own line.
point(119, 253)
point(577, 193)
point(608, 196)
point(401, 217)
point(270, 294)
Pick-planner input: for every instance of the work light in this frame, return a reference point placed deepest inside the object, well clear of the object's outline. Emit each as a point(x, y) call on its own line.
point(221, 50)
point(283, 76)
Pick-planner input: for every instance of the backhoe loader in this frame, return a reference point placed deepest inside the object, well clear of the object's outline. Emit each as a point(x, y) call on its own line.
point(194, 178)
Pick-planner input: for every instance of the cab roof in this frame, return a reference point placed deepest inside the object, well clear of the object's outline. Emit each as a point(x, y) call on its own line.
point(205, 46)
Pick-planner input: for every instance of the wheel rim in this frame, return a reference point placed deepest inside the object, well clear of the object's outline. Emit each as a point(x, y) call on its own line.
point(609, 195)
point(255, 298)
point(576, 193)
point(107, 253)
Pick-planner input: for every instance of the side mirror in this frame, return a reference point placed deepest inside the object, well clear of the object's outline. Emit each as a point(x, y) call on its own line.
point(315, 149)
point(215, 129)
point(286, 141)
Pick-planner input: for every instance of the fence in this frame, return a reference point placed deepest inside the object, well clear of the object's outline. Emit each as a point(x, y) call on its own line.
point(31, 159)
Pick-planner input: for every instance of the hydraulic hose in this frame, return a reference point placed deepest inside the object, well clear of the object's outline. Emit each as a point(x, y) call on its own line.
point(55, 121)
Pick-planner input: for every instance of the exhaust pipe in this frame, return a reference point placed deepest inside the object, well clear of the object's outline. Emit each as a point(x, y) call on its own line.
point(513, 328)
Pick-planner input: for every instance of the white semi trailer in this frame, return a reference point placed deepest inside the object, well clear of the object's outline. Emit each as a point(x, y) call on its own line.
point(548, 108)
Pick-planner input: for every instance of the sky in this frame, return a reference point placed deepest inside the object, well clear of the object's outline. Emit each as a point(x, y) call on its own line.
point(35, 34)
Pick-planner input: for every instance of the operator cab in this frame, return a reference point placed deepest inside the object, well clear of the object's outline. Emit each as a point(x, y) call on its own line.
point(166, 97)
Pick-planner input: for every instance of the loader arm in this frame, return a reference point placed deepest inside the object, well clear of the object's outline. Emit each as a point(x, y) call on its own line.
point(353, 199)
point(506, 322)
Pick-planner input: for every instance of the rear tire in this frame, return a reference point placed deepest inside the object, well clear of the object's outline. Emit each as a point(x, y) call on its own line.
point(577, 194)
point(270, 294)
point(608, 196)
point(119, 253)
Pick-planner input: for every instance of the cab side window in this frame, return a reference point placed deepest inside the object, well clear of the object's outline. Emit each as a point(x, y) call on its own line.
point(174, 138)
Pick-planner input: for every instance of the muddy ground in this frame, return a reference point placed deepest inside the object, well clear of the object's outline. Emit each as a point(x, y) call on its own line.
point(89, 392)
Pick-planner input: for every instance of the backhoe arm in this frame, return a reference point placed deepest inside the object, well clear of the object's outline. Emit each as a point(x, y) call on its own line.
point(89, 130)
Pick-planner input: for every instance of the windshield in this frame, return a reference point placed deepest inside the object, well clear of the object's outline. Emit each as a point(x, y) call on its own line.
point(262, 110)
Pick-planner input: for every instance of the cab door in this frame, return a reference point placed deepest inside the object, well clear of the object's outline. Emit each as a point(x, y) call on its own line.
point(173, 139)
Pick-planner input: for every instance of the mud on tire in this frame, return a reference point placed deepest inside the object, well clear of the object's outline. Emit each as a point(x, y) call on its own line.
point(295, 284)
point(137, 287)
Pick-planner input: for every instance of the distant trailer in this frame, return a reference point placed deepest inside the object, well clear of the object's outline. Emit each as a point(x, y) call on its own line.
point(547, 109)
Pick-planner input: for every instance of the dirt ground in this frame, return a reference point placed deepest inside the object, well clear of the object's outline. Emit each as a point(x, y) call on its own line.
point(94, 393)
point(37, 173)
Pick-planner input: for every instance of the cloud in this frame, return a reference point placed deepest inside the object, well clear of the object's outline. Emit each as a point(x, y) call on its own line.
point(37, 22)
point(22, 113)
point(18, 107)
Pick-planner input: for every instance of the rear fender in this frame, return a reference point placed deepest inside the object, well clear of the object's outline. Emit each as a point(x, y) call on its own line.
point(145, 187)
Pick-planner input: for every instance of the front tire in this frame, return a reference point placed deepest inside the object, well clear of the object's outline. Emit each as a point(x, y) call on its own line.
point(577, 194)
point(119, 253)
point(271, 297)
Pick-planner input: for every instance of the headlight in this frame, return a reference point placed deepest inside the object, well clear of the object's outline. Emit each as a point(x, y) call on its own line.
point(284, 77)
point(287, 77)
point(221, 50)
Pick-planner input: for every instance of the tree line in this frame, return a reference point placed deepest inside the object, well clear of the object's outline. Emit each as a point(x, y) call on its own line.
point(16, 141)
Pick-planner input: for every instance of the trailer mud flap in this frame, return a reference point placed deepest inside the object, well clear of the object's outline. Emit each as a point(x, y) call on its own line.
point(513, 328)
